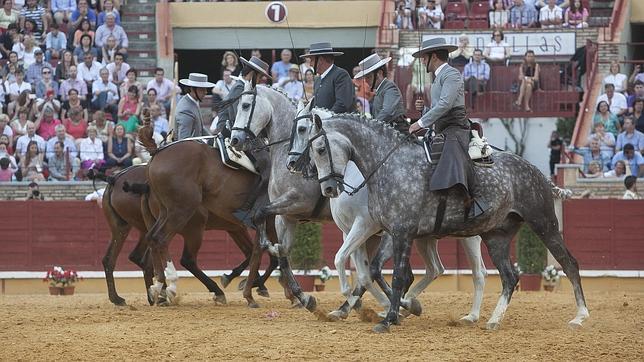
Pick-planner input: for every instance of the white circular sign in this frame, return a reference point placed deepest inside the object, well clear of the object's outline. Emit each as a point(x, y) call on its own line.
point(276, 12)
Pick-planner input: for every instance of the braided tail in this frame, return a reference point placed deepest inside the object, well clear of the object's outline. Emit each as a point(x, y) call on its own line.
point(146, 133)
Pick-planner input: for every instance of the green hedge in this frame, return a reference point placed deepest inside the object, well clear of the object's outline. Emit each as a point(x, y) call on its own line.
point(306, 250)
point(531, 253)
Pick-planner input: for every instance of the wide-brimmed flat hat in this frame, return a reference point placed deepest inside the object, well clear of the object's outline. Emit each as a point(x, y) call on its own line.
point(432, 45)
point(257, 65)
point(324, 48)
point(371, 63)
point(197, 80)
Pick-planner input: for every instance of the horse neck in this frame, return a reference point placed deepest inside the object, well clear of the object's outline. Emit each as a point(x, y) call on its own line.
point(282, 113)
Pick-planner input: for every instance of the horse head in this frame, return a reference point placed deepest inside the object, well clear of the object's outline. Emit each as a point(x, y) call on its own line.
point(300, 133)
point(253, 115)
point(330, 153)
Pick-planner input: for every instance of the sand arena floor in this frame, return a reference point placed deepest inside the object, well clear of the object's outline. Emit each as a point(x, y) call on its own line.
point(88, 327)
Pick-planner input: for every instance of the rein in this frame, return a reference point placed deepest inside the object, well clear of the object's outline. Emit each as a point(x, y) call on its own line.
point(246, 128)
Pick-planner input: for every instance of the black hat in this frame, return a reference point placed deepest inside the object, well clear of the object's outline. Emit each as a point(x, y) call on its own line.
point(321, 49)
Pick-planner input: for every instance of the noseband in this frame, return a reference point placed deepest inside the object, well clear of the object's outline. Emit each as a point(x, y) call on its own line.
point(246, 128)
point(338, 177)
point(294, 132)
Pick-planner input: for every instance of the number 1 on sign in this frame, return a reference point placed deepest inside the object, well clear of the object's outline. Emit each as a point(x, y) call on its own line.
point(276, 12)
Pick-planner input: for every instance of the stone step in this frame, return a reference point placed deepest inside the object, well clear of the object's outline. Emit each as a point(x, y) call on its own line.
point(140, 26)
point(142, 45)
point(141, 63)
point(142, 36)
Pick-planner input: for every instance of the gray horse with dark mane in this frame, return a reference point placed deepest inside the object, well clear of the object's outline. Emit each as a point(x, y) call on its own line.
point(398, 176)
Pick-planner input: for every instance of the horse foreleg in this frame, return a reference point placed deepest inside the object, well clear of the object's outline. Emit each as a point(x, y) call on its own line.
point(385, 252)
point(192, 243)
point(245, 244)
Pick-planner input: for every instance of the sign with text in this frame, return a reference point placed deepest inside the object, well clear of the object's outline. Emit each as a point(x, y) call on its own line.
point(542, 43)
point(276, 12)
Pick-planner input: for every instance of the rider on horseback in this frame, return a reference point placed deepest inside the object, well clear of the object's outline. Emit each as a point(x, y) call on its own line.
point(189, 122)
point(448, 119)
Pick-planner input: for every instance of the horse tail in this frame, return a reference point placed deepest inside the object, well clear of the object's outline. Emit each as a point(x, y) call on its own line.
point(146, 133)
point(95, 174)
point(558, 192)
point(136, 188)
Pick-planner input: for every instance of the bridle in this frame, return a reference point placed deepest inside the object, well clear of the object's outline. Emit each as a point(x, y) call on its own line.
point(294, 131)
point(246, 129)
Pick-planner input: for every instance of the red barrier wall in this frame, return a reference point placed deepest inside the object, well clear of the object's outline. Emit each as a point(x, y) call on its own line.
point(602, 234)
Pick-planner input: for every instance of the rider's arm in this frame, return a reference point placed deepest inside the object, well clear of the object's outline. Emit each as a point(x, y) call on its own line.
point(449, 92)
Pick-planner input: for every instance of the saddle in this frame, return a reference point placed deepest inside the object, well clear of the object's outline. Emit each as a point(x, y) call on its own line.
point(479, 149)
point(229, 156)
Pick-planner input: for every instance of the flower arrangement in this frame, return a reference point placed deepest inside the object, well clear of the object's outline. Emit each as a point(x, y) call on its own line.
point(550, 275)
point(59, 277)
point(325, 274)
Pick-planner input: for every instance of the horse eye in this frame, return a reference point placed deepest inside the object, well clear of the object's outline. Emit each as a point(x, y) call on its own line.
point(321, 150)
point(301, 129)
point(245, 106)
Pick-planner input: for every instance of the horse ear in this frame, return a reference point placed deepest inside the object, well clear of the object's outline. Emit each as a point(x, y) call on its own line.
point(318, 122)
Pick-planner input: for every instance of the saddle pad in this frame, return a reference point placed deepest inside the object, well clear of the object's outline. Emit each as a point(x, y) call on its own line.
point(232, 158)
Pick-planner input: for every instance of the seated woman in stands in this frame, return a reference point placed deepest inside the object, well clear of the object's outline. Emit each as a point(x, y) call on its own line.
point(463, 53)
point(129, 111)
point(91, 150)
point(119, 149)
point(606, 140)
point(618, 172)
point(76, 125)
point(32, 165)
point(499, 15)
point(610, 121)
point(576, 15)
point(638, 114)
point(594, 170)
point(104, 128)
point(497, 50)
point(616, 78)
point(529, 80)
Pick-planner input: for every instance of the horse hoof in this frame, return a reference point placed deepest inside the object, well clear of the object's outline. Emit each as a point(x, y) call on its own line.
point(492, 326)
point(296, 304)
point(415, 307)
point(225, 280)
point(220, 299)
point(575, 325)
point(242, 284)
point(171, 297)
point(336, 315)
point(357, 305)
point(468, 320)
point(381, 328)
point(310, 303)
point(263, 293)
point(119, 302)
point(253, 304)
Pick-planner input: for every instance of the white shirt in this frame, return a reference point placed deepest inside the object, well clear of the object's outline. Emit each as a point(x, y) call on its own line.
point(436, 12)
point(616, 104)
point(550, 14)
point(438, 70)
point(294, 89)
point(326, 71)
point(121, 75)
point(497, 50)
point(23, 141)
point(91, 150)
point(630, 195)
point(7, 130)
point(617, 80)
point(90, 74)
point(224, 87)
point(15, 89)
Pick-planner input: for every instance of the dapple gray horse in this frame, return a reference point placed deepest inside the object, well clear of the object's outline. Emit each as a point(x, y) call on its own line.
point(353, 218)
point(401, 202)
point(293, 198)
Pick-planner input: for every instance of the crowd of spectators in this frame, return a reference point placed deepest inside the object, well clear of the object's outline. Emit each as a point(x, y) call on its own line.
point(69, 99)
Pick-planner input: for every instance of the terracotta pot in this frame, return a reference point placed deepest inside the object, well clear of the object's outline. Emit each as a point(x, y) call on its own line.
point(55, 290)
point(319, 287)
point(306, 282)
point(548, 287)
point(67, 291)
point(530, 282)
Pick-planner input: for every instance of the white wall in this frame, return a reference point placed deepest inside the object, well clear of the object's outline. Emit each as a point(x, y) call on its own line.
point(538, 136)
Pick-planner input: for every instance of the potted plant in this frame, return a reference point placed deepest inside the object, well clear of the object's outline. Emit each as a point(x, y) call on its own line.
point(531, 255)
point(61, 281)
point(323, 275)
point(550, 278)
point(305, 253)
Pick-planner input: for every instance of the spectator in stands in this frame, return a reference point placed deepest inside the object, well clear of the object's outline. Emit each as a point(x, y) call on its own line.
point(91, 150)
point(223, 86)
point(19, 125)
point(551, 16)
point(555, 145)
point(85, 46)
point(152, 99)
point(104, 128)
point(476, 75)
point(523, 15)
point(62, 69)
point(73, 101)
point(23, 141)
point(630, 136)
point(431, 16)
point(111, 28)
point(34, 72)
point(280, 69)
point(105, 94)
point(637, 74)
point(32, 30)
point(89, 70)
point(499, 16)
point(638, 93)
point(19, 86)
point(13, 60)
point(73, 82)
point(83, 12)
point(230, 63)
point(109, 50)
point(60, 165)
point(48, 100)
point(76, 125)
point(119, 149)
point(62, 10)
point(309, 81)
point(163, 87)
point(32, 164)
point(593, 153)
point(403, 17)
point(529, 80)
point(463, 53)
point(55, 43)
point(37, 14)
point(606, 140)
point(130, 80)
point(108, 7)
point(8, 164)
point(638, 114)
point(34, 192)
point(292, 84)
point(5, 128)
point(46, 83)
point(62, 137)
point(616, 101)
point(46, 123)
point(30, 51)
point(6, 39)
point(630, 183)
point(8, 16)
point(576, 16)
point(594, 170)
point(84, 28)
point(497, 50)
point(610, 121)
point(129, 110)
point(118, 69)
point(619, 171)
point(306, 65)
point(616, 78)
point(363, 92)
point(160, 123)
point(634, 160)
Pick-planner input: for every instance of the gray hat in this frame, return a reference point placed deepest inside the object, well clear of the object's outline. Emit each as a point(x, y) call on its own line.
point(197, 80)
point(371, 63)
point(321, 49)
point(432, 45)
point(257, 65)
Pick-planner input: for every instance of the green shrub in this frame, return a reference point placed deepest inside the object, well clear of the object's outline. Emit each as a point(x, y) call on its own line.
point(531, 253)
point(306, 250)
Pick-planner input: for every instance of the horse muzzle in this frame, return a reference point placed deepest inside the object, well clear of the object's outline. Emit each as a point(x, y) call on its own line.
point(237, 140)
point(331, 186)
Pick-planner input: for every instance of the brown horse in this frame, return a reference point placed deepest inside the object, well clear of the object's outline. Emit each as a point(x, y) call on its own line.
point(123, 212)
point(188, 179)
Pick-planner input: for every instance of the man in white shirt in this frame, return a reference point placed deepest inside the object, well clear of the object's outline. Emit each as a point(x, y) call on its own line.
point(19, 85)
point(551, 16)
point(118, 69)
point(105, 94)
point(61, 136)
point(291, 84)
point(431, 15)
point(89, 69)
point(160, 124)
point(223, 86)
point(163, 86)
point(91, 149)
point(616, 101)
point(23, 141)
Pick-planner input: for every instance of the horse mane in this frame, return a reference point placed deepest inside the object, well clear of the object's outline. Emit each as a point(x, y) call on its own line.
point(383, 128)
point(280, 91)
point(145, 134)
